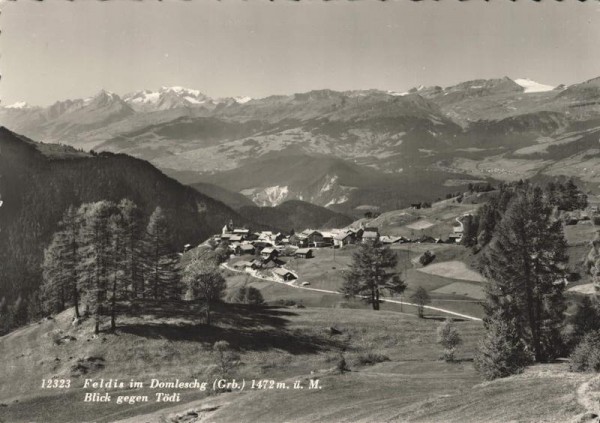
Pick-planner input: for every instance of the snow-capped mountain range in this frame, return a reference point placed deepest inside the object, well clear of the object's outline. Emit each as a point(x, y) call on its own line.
point(173, 97)
point(502, 128)
point(176, 96)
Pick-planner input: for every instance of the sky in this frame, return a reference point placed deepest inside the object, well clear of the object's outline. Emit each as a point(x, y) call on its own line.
point(56, 50)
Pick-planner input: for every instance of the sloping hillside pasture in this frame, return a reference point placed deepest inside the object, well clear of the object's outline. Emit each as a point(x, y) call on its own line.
point(275, 293)
point(437, 221)
point(585, 289)
point(581, 233)
point(453, 269)
point(325, 272)
point(464, 289)
point(433, 394)
point(578, 238)
point(168, 342)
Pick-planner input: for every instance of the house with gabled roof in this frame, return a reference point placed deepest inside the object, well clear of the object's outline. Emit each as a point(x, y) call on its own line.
point(304, 253)
point(244, 249)
point(269, 253)
point(284, 274)
point(370, 235)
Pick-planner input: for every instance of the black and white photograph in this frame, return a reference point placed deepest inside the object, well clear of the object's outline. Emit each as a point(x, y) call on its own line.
point(299, 211)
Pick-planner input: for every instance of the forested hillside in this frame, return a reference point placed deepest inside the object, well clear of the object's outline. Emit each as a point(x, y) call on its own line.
point(38, 183)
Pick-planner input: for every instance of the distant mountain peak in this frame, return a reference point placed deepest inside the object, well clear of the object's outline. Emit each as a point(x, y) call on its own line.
point(531, 86)
point(242, 100)
point(167, 98)
point(182, 90)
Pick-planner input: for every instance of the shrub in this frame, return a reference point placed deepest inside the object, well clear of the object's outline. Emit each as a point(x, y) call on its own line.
point(227, 360)
point(426, 258)
point(247, 295)
point(586, 356)
point(342, 366)
point(449, 338)
point(371, 358)
point(420, 297)
point(586, 319)
point(501, 353)
point(286, 303)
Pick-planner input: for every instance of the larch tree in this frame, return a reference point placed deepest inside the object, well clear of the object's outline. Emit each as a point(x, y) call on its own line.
point(161, 272)
point(59, 269)
point(97, 259)
point(133, 254)
point(372, 269)
point(525, 263)
point(54, 283)
point(117, 288)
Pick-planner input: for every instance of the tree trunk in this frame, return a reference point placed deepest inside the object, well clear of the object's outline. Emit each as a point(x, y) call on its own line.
point(208, 313)
point(113, 324)
point(76, 301)
point(531, 303)
point(97, 325)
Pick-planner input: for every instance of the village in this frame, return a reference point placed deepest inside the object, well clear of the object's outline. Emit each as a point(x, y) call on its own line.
point(274, 255)
point(266, 253)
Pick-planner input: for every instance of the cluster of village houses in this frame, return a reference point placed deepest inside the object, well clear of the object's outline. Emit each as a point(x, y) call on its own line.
point(268, 248)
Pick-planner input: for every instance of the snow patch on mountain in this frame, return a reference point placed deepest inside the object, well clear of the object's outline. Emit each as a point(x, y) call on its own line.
point(397, 94)
point(330, 183)
point(166, 98)
point(339, 200)
point(18, 105)
point(182, 90)
point(144, 97)
point(532, 86)
point(242, 100)
point(193, 100)
point(267, 197)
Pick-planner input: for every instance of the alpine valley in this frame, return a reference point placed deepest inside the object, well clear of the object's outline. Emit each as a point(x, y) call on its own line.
point(349, 151)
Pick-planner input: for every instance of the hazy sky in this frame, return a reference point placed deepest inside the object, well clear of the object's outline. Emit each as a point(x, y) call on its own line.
point(57, 50)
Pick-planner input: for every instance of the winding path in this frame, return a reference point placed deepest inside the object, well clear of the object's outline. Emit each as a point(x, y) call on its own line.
point(386, 300)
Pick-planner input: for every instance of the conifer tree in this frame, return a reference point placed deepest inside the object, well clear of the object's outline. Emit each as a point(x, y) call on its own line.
point(586, 318)
point(59, 269)
point(525, 264)
point(4, 318)
point(133, 237)
point(19, 312)
point(54, 286)
point(161, 273)
point(96, 253)
point(502, 352)
point(573, 198)
point(372, 269)
point(117, 264)
point(488, 218)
